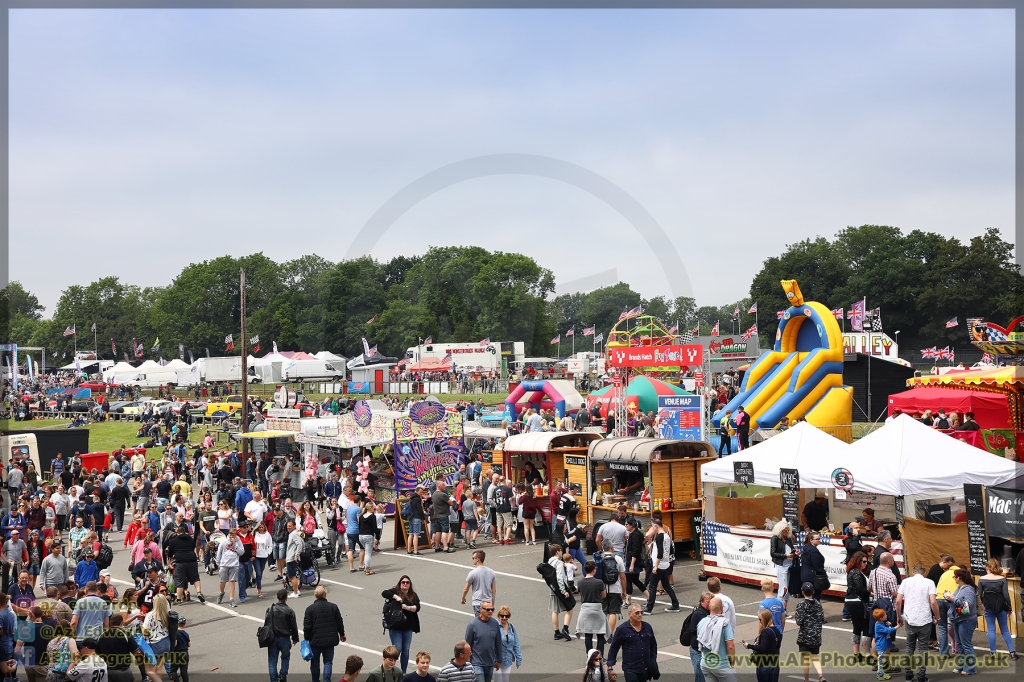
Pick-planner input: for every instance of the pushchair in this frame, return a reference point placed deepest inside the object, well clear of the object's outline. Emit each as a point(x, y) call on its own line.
point(212, 544)
point(309, 568)
point(321, 547)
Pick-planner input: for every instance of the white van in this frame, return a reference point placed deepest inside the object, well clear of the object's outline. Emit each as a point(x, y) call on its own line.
point(19, 446)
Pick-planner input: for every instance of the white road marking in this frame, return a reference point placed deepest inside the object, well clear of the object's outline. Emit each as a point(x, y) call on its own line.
point(468, 568)
point(503, 556)
point(445, 608)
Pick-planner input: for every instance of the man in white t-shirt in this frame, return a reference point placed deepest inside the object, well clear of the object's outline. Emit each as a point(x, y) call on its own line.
point(256, 509)
point(90, 667)
point(917, 609)
point(616, 533)
point(728, 606)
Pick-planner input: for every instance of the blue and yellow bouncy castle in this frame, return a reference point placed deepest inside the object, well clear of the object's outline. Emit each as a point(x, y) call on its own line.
point(803, 375)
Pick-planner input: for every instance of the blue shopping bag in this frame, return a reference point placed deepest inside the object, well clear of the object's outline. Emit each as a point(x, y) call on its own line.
point(306, 650)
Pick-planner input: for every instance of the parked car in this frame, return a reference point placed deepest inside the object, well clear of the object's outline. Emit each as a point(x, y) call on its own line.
point(95, 386)
point(132, 409)
point(82, 405)
point(232, 403)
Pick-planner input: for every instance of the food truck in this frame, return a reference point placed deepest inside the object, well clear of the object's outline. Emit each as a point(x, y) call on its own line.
point(646, 474)
point(559, 457)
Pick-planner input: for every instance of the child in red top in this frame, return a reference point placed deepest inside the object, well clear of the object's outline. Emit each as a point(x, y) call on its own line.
point(131, 535)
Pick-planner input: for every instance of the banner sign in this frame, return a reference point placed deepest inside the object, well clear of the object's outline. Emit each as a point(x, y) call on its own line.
point(286, 413)
point(71, 391)
point(616, 466)
point(380, 429)
point(900, 519)
point(576, 461)
point(420, 462)
point(977, 538)
point(876, 344)
point(681, 417)
point(789, 481)
point(656, 356)
point(1005, 517)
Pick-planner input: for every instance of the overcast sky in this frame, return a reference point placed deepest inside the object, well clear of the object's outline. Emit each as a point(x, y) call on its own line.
point(144, 140)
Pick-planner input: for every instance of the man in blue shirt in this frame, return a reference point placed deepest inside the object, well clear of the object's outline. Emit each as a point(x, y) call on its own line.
point(638, 644)
point(352, 528)
point(242, 498)
point(92, 614)
point(7, 624)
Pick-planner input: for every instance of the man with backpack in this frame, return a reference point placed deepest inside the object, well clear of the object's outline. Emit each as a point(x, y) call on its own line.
point(688, 633)
point(613, 575)
point(281, 619)
point(661, 561)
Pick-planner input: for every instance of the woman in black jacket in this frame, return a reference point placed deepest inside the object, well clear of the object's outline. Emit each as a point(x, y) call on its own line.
point(401, 634)
point(783, 551)
point(417, 521)
point(634, 560)
point(812, 562)
point(766, 648)
point(858, 598)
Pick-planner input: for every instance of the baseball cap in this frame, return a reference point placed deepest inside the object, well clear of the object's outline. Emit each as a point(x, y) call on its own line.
point(90, 643)
point(105, 572)
point(807, 587)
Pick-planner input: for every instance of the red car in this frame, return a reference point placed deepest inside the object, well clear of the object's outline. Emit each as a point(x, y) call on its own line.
point(94, 386)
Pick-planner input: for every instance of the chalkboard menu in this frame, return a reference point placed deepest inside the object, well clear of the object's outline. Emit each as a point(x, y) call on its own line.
point(977, 539)
point(899, 511)
point(487, 456)
point(743, 472)
point(791, 506)
point(789, 480)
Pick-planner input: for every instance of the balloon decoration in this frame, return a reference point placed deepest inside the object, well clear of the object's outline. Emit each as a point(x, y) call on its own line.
point(363, 474)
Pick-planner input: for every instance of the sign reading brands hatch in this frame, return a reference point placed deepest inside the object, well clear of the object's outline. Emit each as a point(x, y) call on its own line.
point(656, 356)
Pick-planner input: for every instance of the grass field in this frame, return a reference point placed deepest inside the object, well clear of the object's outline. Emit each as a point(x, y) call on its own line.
point(266, 392)
point(749, 491)
point(109, 436)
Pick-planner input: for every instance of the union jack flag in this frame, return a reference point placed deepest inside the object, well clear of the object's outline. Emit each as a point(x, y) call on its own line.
point(780, 313)
point(837, 313)
point(750, 332)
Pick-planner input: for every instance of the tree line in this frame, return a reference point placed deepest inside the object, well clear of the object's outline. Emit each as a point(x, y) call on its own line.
point(465, 294)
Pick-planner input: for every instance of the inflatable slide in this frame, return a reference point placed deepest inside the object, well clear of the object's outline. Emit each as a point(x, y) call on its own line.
point(802, 376)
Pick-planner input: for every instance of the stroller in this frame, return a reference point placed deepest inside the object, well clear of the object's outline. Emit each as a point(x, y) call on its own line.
point(212, 545)
point(309, 568)
point(321, 547)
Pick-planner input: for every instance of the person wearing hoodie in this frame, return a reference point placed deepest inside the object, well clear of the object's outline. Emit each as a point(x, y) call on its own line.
point(766, 647)
point(718, 649)
point(555, 603)
point(688, 636)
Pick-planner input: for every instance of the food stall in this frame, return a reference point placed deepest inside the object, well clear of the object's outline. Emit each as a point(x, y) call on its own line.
point(648, 473)
point(559, 456)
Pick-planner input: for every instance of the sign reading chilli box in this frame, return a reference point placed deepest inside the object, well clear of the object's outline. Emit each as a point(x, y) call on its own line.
point(656, 356)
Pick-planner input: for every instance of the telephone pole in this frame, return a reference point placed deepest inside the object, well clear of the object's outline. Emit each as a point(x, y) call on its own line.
point(245, 372)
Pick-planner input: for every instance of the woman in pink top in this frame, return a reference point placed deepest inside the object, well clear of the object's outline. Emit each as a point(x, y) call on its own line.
point(142, 544)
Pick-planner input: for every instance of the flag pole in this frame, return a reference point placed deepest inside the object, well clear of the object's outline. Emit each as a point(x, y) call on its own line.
point(95, 344)
point(243, 426)
point(574, 341)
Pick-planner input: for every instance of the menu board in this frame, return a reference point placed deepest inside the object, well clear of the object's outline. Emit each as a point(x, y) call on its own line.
point(789, 481)
point(977, 538)
point(899, 511)
point(743, 472)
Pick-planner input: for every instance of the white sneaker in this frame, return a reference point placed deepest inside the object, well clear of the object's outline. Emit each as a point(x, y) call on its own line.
point(295, 596)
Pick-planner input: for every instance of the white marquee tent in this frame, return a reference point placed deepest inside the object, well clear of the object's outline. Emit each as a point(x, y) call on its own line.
point(905, 457)
point(814, 453)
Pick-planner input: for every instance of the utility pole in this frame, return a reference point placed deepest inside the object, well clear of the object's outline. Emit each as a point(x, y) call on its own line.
point(245, 372)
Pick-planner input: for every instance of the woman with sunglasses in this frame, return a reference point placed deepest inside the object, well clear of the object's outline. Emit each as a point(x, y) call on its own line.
point(510, 649)
point(264, 550)
point(401, 634)
point(858, 601)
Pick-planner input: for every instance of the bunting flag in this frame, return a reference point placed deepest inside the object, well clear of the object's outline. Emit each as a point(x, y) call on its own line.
point(191, 358)
point(952, 323)
point(181, 351)
point(557, 339)
point(366, 348)
point(696, 330)
point(780, 313)
point(447, 358)
point(275, 347)
point(255, 343)
point(70, 330)
point(753, 309)
point(571, 332)
point(873, 320)
point(589, 331)
point(229, 341)
point(750, 332)
point(113, 346)
point(837, 313)
point(687, 337)
point(987, 358)
point(429, 340)
point(139, 350)
point(156, 345)
point(674, 328)
point(736, 313)
point(714, 330)
point(93, 330)
point(599, 338)
point(485, 342)
point(372, 320)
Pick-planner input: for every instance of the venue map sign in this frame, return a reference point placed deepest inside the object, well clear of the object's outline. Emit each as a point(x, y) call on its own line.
point(977, 538)
point(681, 417)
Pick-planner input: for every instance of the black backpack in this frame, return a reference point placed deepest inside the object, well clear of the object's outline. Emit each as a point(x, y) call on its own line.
point(172, 628)
point(685, 636)
point(393, 614)
point(105, 558)
point(609, 569)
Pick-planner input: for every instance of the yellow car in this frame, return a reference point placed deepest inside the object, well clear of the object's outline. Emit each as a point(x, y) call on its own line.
point(232, 403)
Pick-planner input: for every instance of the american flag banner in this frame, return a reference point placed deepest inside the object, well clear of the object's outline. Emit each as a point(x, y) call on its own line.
point(753, 309)
point(624, 314)
point(557, 339)
point(372, 320)
point(429, 340)
point(485, 342)
point(589, 331)
point(447, 358)
point(735, 313)
point(636, 311)
point(696, 329)
point(571, 332)
point(673, 329)
point(952, 323)
point(70, 330)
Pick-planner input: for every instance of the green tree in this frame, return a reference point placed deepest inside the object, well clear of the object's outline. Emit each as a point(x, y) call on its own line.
point(603, 306)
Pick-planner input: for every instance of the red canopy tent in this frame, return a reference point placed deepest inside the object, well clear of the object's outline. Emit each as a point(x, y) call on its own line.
point(990, 409)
